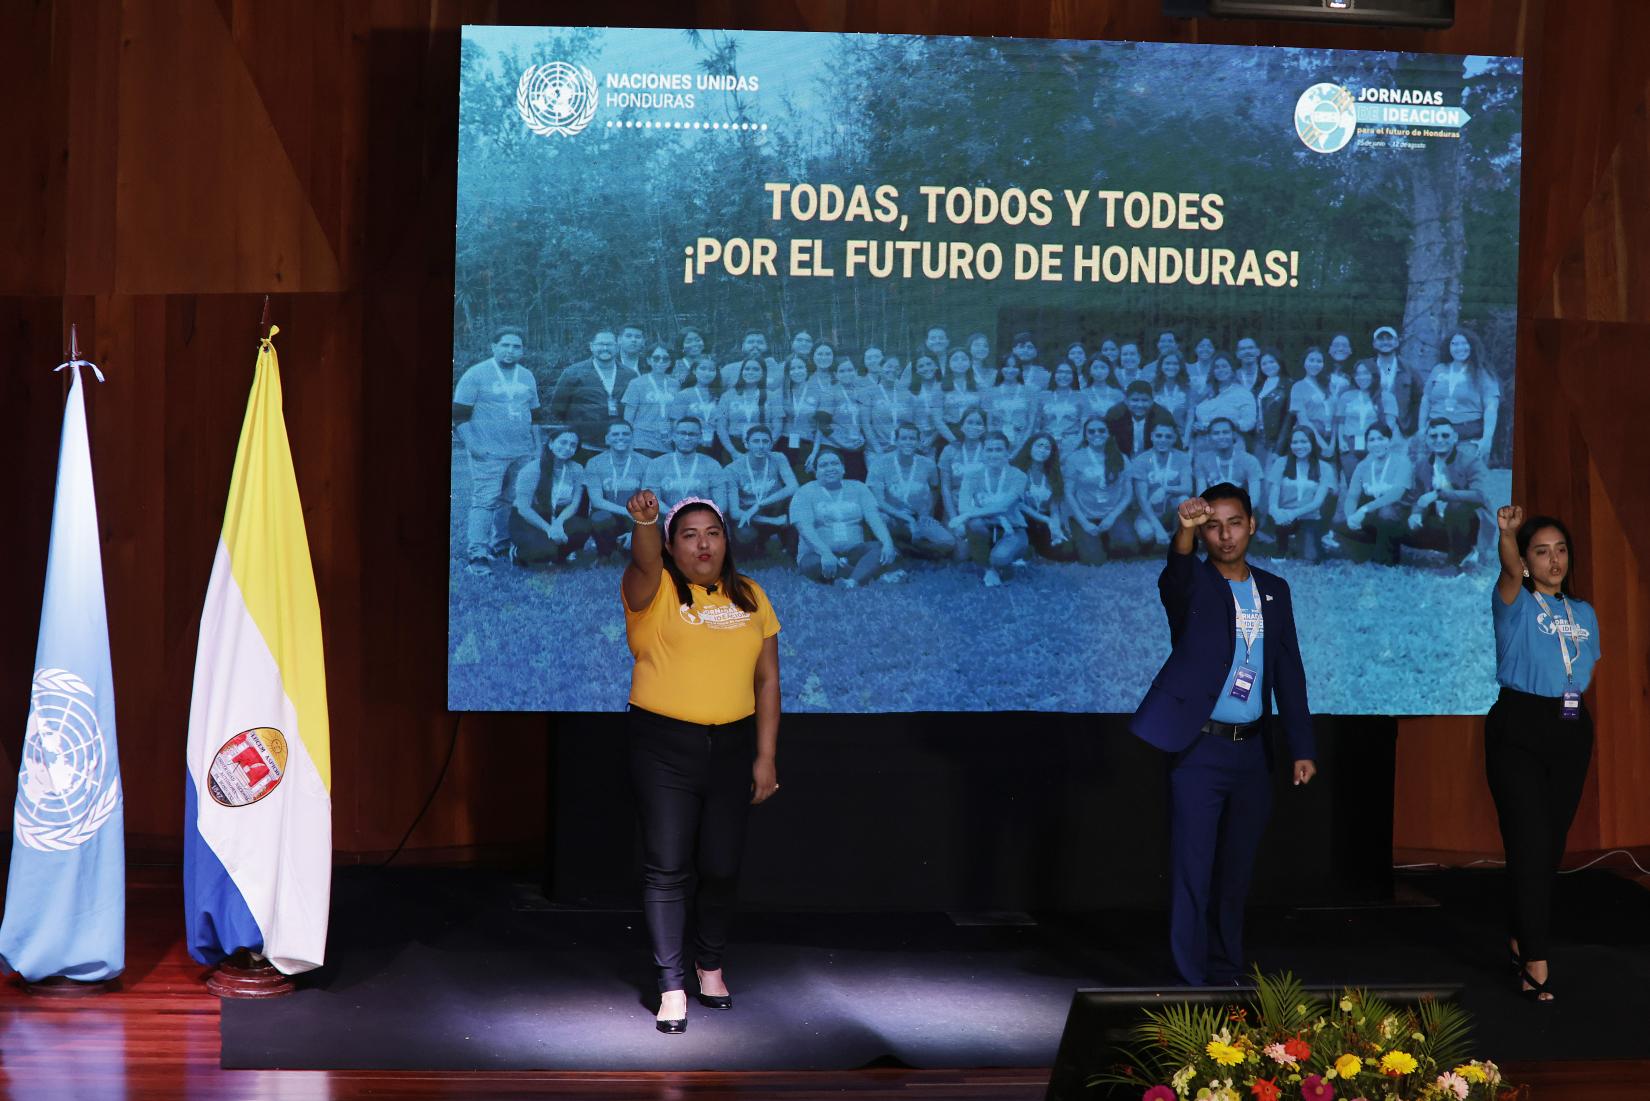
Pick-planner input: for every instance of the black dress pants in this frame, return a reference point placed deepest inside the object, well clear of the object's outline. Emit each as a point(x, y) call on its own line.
point(1536, 762)
point(693, 792)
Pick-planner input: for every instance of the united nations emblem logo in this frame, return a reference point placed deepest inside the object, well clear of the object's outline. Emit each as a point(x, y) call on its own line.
point(556, 98)
point(1325, 117)
point(67, 786)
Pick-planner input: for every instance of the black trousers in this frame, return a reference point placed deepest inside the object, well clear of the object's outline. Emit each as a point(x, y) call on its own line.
point(1536, 762)
point(693, 792)
point(533, 546)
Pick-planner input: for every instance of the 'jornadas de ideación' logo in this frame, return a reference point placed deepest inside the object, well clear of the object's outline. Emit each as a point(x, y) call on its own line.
point(1325, 117)
point(556, 98)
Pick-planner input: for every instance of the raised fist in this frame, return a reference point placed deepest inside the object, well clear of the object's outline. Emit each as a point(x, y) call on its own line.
point(643, 506)
point(1193, 511)
point(1509, 517)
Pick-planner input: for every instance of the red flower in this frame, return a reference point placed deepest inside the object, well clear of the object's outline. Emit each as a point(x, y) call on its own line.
point(1297, 1048)
point(1265, 1089)
point(1314, 1088)
point(1158, 1093)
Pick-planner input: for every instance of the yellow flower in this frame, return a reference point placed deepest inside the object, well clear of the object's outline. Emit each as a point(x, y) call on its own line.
point(1472, 1072)
point(1397, 1062)
point(1348, 1066)
point(1346, 1005)
point(1224, 1054)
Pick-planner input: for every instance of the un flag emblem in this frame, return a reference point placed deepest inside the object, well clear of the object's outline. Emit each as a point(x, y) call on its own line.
point(556, 98)
point(66, 785)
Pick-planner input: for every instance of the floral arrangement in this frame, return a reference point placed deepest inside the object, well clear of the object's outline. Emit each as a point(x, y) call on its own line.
point(1289, 1045)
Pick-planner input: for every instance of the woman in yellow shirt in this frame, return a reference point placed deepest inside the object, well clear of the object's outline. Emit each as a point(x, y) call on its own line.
point(703, 733)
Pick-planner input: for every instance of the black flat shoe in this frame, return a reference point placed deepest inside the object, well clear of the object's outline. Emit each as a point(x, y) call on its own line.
point(672, 1028)
point(712, 1001)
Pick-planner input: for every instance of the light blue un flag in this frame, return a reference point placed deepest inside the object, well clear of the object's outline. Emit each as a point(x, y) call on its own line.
point(66, 898)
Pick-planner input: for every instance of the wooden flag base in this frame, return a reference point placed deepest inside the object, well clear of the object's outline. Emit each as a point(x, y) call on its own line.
point(246, 976)
point(61, 986)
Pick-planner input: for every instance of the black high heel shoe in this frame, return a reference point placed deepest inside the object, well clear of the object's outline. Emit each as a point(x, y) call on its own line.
point(1536, 990)
point(712, 1001)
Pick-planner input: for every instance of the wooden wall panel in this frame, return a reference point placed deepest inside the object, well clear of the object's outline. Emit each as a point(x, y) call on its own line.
point(35, 142)
point(203, 173)
point(178, 160)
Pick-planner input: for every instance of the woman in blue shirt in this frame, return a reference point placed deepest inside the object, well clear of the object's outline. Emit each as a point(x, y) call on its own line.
point(1538, 738)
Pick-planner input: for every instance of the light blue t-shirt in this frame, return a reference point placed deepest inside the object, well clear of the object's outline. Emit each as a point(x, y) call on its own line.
point(1229, 709)
point(1526, 643)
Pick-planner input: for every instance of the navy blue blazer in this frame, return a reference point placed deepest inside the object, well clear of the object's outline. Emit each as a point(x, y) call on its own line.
point(1202, 626)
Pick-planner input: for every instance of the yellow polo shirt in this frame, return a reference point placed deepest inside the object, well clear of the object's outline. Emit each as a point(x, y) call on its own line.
point(697, 663)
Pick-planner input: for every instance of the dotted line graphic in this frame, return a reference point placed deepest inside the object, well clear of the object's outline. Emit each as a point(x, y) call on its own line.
point(647, 124)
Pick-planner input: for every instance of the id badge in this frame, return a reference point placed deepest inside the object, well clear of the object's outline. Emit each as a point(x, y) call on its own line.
point(1243, 683)
point(1572, 704)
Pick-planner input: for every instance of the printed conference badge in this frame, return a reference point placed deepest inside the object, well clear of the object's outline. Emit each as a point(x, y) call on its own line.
point(248, 767)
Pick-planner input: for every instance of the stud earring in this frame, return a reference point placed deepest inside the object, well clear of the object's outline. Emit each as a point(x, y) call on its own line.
point(1526, 571)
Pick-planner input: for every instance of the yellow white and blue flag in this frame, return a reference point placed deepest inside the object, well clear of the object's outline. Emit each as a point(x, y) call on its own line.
point(257, 856)
point(66, 895)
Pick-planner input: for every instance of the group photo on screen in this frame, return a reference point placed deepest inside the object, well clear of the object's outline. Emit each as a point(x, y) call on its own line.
point(958, 495)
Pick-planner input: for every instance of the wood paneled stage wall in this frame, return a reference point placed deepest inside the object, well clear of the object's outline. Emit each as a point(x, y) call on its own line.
point(172, 161)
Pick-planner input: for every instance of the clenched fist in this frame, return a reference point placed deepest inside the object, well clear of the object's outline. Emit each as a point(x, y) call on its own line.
point(643, 506)
point(1193, 512)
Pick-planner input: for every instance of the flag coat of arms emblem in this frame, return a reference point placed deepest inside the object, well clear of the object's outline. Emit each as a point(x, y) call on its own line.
point(66, 895)
point(257, 859)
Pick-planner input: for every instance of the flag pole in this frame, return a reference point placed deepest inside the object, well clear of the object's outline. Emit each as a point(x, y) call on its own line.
point(73, 357)
point(63, 986)
point(246, 972)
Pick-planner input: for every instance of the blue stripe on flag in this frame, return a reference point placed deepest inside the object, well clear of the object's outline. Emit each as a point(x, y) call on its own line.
point(218, 919)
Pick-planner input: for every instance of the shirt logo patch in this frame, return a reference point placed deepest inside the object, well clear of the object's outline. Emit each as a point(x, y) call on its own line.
point(718, 617)
point(1558, 625)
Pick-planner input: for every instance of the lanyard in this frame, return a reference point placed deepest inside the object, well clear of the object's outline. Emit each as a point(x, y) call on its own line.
point(1564, 651)
point(1366, 412)
point(992, 492)
point(693, 469)
point(759, 490)
point(906, 483)
point(618, 479)
point(512, 389)
point(609, 380)
point(1253, 628)
point(1375, 485)
point(1161, 472)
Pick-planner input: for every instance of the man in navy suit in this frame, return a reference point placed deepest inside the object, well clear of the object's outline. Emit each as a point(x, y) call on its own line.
point(1232, 629)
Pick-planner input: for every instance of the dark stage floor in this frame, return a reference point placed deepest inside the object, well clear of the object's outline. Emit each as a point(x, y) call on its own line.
point(463, 970)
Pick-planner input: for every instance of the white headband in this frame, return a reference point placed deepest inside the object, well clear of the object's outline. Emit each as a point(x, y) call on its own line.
point(684, 503)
